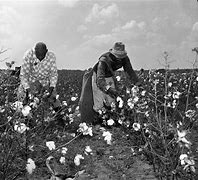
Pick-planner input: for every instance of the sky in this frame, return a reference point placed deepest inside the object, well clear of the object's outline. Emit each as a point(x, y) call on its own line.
point(79, 31)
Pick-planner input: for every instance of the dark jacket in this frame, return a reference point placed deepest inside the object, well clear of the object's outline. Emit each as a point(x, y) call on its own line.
point(103, 71)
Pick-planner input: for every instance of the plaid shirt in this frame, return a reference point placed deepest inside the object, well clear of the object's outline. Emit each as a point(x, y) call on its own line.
point(33, 69)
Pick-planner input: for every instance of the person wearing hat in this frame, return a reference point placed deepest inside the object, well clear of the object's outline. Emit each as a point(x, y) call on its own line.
point(38, 74)
point(103, 83)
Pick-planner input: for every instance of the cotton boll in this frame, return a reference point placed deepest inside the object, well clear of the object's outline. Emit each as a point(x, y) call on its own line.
point(118, 78)
point(107, 136)
point(85, 129)
point(18, 105)
point(62, 160)
point(77, 159)
point(26, 110)
point(136, 126)
point(88, 150)
point(110, 122)
point(73, 98)
point(64, 150)
point(121, 102)
point(50, 145)
point(30, 166)
point(21, 127)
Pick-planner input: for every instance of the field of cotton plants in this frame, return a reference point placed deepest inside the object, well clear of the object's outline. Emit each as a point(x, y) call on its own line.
point(150, 132)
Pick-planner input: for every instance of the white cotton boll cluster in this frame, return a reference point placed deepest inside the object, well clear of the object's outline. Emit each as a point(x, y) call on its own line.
point(64, 103)
point(57, 96)
point(130, 103)
point(107, 137)
point(110, 122)
point(118, 78)
point(134, 90)
point(187, 162)
point(62, 160)
point(143, 93)
point(176, 95)
point(121, 102)
point(190, 113)
point(50, 145)
point(136, 126)
point(77, 159)
point(85, 129)
point(30, 166)
point(18, 105)
point(73, 98)
point(182, 158)
point(26, 110)
point(135, 99)
point(31, 147)
point(35, 103)
point(21, 127)
point(182, 138)
point(88, 150)
point(128, 91)
point(170, 84)
point(64, 150)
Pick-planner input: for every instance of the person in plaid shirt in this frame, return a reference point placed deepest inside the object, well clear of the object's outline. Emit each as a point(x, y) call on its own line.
point(39, 74)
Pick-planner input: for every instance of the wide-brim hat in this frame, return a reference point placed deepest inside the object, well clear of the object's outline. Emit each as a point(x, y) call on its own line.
point(118, 50)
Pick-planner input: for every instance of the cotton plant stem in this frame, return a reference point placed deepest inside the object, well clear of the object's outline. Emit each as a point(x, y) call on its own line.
point(165, 101)
point(188, 92)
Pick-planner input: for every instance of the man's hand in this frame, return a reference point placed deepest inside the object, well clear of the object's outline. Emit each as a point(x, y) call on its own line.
point(49, 94)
